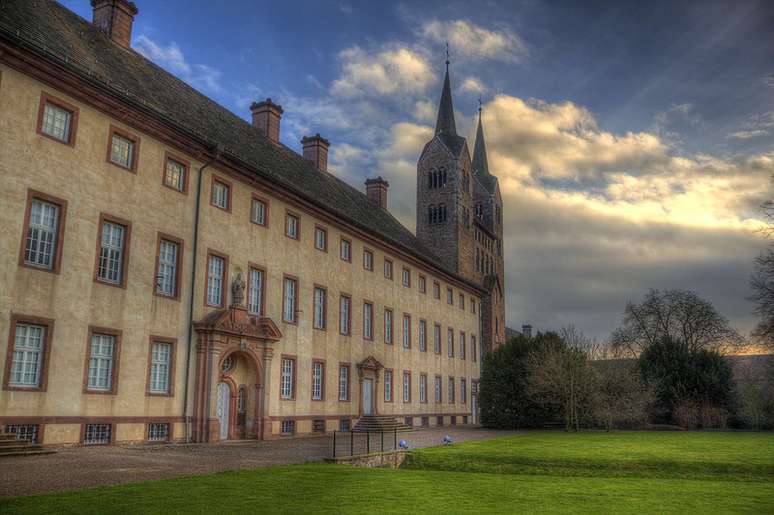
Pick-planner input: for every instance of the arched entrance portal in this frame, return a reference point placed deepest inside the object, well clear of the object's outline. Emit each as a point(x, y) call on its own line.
point(233, 354)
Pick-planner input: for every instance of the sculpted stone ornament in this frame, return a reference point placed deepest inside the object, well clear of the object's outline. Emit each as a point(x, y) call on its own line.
point(238, 290)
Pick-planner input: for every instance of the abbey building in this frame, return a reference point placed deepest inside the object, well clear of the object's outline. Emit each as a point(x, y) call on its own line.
point(171, 272)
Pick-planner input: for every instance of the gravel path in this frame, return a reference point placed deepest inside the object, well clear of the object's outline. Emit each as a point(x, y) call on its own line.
point(81, 467)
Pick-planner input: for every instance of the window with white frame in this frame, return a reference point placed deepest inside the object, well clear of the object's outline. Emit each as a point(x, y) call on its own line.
point(462, 301)
point(112, 252)
point(388, 326)
point(288, 427)
point(473, 348)
point(255, 291)
point(437, 339)
point(216, 267)
point(343, 383)
point(97, 434)
point(368, 260)
point(101, 359)
point(258, 212)
point(174, 175)
point(320, 238)
point(406, 387)
point(437, 386)
point(319, 307)
point(368, 318)
point(161, 357)
point(463, 390)
point(406, 277)
point(220, 194)
point(406, 331)
point(317, 381)
point(23, 432)
point(158, 432)
point(422, 336)
point(57, 122)
point(449, 296)
point(450, 342)
point(388, 385)
point(166, 281)
point(463, 350)
point(291, 226)
point(423, 388)
point(388, 269)
point(122, 151)
point(473, 306)
point(286, 380)
point(436, 290)
point(345, 304)
point(451, 390)
point(422, 284)
point(27, 359)
point(345, 250)
point(290, 294)
point(42, 233)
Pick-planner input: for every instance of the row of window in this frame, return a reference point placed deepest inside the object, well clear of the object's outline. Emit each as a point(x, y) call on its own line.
point(93, 434)
point(318, 388)
point(28, 357)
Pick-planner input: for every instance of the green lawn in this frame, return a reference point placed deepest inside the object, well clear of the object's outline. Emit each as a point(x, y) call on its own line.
point(538, 472)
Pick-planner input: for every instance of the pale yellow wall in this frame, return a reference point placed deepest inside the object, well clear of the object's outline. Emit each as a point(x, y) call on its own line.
point(81, 175)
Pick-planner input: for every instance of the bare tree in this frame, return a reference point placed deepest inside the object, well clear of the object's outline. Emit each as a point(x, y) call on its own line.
point(622, 398)
point(560, 376)
point(762, 285)
point(678, 315)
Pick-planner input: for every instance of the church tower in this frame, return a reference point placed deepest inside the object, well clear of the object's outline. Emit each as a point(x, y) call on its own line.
point(459, 213)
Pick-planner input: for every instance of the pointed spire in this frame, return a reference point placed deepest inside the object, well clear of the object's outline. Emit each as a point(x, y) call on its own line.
point(445, 123)
point(479, 149)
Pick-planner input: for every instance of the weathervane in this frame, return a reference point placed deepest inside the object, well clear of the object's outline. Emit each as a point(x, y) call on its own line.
point(447, 55)
point(479, 104)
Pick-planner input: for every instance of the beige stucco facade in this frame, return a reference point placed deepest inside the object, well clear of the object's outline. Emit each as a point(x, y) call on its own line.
point(71, 297)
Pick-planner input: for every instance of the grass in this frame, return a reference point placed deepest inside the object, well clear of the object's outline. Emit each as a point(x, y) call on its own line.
point(537, 472)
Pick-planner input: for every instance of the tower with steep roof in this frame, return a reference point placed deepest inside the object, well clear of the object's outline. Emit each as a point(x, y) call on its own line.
point(459, 212)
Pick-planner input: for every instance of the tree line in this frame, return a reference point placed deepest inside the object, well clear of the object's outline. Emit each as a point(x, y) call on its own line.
point(664, 367)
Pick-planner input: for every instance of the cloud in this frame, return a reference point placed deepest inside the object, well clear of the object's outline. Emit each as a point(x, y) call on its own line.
point(473, 85)
point(395, 69)
point(747, 134)
point(671, 123)
point(758, 125)
point(470, 41)
point(171, 58)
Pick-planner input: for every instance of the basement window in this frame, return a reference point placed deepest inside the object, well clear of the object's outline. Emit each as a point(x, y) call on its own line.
point(97, 434)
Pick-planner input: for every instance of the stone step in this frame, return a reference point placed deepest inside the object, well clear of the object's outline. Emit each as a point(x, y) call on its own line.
point(20, 446)
point(27, 452)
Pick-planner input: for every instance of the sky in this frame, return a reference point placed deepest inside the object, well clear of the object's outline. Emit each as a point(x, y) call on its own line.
point(633, 141)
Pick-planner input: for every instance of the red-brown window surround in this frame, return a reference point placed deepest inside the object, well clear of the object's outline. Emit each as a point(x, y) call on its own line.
point(18, 318)
point(178, 266)
point(187, 167)
point(297, 297)
point(265, 210)
point(292, 358)
point(172, 353)
point(288, 215)
point(229, 190)
point(224, 281)
point(259, 268)
point(116, 334)
point(46, 98)
point(349, 381)
point(135, 147)
point(322, 382)
point(104, 217)
point(60, 229)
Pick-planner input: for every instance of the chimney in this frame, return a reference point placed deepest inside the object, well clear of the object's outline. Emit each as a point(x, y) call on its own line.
point(316, 150)
point(115, 18)
point(266, 118)
point(526, 330)
point(376, 190)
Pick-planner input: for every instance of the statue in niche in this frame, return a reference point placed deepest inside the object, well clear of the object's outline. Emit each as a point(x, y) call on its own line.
point(238, 290)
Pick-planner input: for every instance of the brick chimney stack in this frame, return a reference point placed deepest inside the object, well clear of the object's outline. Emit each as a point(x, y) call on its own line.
point(266, 118)
point(115, 18)
point(316, 150)
point(376, 190)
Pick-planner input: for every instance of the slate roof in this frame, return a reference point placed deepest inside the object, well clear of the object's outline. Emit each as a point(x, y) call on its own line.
point(51, 30)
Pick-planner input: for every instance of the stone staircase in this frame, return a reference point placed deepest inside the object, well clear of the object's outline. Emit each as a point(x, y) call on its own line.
point(378, 423)
point(10, 446)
